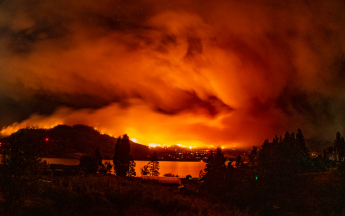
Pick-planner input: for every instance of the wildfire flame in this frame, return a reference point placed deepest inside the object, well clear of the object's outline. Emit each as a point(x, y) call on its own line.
point(194, 74)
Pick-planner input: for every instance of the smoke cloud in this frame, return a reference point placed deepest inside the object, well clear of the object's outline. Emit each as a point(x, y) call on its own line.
point(189, 72)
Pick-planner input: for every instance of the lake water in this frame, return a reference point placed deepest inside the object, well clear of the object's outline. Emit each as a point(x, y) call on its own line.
point(181, 168)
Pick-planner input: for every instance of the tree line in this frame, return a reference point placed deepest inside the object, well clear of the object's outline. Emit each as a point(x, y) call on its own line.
point(279, 167)
point(282, 156)
point(123, 162)
point(22, 167)
point(275, 175)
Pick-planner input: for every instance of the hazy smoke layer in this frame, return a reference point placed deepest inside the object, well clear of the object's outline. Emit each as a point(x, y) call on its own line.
point(189, 72)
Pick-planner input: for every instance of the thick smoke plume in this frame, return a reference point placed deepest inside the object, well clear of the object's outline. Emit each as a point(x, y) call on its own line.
point(190, 72)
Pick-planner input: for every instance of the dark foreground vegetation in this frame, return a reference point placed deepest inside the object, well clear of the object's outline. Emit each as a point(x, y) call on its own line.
point(110, 195)
point(280, 179)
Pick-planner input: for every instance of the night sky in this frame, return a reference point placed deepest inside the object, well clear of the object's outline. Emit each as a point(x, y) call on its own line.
point(190, 72)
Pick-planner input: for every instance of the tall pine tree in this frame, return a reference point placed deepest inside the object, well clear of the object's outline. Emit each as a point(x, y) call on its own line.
point(339, 146)
point(215, 165)
point(301, 144)
point(153, 165)
point(215, 174)
point(123, 161)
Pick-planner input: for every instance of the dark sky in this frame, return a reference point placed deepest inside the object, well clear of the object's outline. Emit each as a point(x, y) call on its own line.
point(189, 72)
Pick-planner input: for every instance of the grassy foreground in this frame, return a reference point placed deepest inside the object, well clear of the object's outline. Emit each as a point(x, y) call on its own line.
point(319, 194)
point(111, 195)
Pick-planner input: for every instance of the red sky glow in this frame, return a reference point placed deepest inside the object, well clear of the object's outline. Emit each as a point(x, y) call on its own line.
point(175, 72)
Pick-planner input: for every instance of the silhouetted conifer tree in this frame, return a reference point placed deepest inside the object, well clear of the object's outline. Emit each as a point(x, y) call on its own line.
point(122, 159)
point(98, 157)
point(144, 170)
point(339, 146)
point(92, 163)
point(153, 165)
point(217, 176)
point(285, 156)
point(238, 161)
point(210, 163)
point(215, 165)
point(131, 172)
point(253, 157)
point(301, 144)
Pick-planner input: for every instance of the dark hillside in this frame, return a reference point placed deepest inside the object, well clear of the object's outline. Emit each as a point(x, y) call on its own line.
point(73, 141)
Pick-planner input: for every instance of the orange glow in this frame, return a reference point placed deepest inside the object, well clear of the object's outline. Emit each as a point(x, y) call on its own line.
point(154, 145)
point(201, 75)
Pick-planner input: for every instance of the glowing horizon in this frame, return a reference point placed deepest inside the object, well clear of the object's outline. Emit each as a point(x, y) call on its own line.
point(9, 130)
point(213, 73)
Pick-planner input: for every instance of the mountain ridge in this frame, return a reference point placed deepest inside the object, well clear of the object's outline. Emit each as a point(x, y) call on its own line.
point(63, 141)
